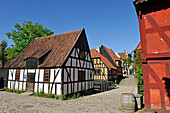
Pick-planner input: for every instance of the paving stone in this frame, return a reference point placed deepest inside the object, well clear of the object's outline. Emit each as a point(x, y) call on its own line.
point(105, 102)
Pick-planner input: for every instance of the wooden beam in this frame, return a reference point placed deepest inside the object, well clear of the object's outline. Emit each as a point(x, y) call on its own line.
point(159, 31)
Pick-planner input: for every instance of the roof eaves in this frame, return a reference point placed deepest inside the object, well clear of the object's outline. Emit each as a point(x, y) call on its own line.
point(22, 51)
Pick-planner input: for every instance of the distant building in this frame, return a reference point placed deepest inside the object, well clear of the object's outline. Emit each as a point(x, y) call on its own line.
point(114, 60)
point(121, 57)
point(104, 70)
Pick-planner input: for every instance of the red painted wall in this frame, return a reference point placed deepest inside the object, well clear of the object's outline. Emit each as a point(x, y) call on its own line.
point(155, 42)
point(156, 32)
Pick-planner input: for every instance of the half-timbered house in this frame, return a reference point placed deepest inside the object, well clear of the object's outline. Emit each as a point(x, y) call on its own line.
point(59, 64)
point(122, 56)
point(114, 60)
point(104, 70)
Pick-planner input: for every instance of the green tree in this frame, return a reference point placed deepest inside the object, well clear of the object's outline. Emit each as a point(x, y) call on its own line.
point(127, 63)
point(3, 45)
point(137, 58)
point(138, 66)
point(23, 34)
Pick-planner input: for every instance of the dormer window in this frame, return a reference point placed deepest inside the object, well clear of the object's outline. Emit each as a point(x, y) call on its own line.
point(31, 63)
point(44, 56)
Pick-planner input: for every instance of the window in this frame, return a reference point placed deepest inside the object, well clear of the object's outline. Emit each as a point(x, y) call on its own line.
point(98, 61)
point(46, 75)
point(17, 75)
point(97, 71)
point(81, 75)
point(82, 54)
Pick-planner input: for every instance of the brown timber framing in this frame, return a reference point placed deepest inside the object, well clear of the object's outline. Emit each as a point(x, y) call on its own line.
point(55, 76)
point(49, 81)
point(38, 81)
point(101, 66)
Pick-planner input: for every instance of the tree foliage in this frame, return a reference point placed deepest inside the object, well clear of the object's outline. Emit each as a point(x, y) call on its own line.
point(23, 34)
point(127, 62)
point(138, 66)
point(3, 45)
point(137, 58)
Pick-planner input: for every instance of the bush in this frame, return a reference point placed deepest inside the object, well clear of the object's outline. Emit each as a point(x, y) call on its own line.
point(49, 96)
point(8, 90)
point(71, 97)
point(57, 97)
point(142, 93)
point(78, 95)
point(74, 96)
point(41, 94)
point(64, 97)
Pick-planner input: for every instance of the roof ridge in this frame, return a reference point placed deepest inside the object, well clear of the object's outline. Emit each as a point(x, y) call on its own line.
point(107, 62)
point(59, 34)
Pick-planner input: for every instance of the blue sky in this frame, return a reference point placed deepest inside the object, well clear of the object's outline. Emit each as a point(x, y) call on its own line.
point(112, 23)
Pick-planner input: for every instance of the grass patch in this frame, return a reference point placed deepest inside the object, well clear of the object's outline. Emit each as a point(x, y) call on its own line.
point(140, 111)
point(78, 95)
point(14, 91)
point(57, 97)
point(42, 94)
point(64, 97)
point(119, 82)
point(116, 84)
point(120, 109)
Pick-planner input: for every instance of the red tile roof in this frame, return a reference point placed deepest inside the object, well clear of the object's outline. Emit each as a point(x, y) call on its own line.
point(123, 55)
point(58, 47)
point(112, 54)
point(95, 54)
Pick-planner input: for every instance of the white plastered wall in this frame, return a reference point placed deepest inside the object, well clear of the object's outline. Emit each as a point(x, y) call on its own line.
point(18, 85)
point(39, 84)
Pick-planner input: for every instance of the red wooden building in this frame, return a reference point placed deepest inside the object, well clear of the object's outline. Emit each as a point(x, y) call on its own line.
point(154, 22)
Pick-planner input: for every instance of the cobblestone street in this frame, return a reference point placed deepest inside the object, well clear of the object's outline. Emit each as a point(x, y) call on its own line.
point(105, 102)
